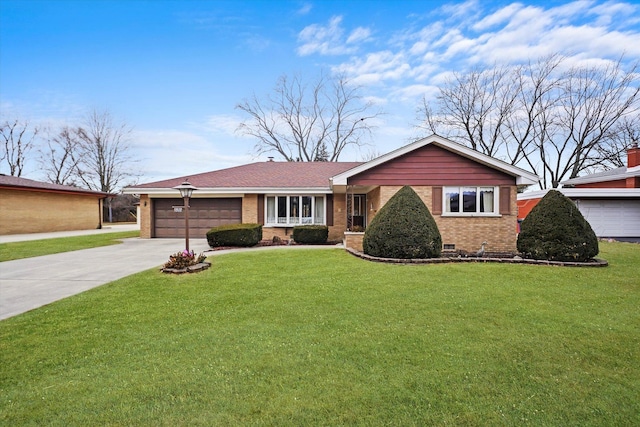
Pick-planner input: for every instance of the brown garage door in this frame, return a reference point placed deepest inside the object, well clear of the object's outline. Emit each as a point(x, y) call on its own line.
point(203, 215)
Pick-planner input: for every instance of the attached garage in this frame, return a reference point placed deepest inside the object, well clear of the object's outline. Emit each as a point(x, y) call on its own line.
point(611, 212)
point(203, 215)
point(612, 218)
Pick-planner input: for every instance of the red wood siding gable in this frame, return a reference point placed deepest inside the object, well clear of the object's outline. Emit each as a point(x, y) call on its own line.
point(432, 165)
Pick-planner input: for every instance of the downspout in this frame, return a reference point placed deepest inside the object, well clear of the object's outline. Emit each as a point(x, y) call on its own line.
point(100, 212)
point(346, 208)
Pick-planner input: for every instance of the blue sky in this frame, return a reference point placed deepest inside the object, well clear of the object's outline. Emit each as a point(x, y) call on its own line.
point(174, 70)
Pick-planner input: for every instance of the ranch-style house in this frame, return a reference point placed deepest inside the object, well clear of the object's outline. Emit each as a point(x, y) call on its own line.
point(471, 196)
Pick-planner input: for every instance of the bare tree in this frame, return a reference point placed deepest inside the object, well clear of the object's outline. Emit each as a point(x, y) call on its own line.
point(106, 154)
point(60, 157)
point(595, 99)
point(475, 107)
point(536, 86)
point(106, 161)
point(625, 134)
point(495, 111)
point(308, 122)
point(370, 155)
point(17, 141)
point(557, 123)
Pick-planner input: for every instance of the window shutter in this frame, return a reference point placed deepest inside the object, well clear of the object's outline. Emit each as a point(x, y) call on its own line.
point(261, 209)
point(329, 209)
point(436, 200)
point(505, 200)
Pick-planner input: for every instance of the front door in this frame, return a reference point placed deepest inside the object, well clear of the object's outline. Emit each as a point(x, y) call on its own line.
point(356, 212)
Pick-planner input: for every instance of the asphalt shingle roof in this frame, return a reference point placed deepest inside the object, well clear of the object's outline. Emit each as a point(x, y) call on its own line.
point(263, 175)
point(608, 175)
point(19, 182)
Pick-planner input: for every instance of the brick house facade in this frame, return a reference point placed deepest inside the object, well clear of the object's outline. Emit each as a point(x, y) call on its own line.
point(471, 196)
point(28, 206)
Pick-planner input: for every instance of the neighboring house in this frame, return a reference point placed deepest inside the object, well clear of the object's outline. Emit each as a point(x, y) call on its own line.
point(471, 196)
point(609, 200)
point(28, 206)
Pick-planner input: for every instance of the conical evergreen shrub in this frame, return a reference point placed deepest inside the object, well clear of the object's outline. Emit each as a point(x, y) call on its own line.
point(403, 228)
point(555, 230)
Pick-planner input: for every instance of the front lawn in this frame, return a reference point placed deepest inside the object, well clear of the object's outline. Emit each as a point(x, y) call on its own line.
point(33, 248)
point(319, 337)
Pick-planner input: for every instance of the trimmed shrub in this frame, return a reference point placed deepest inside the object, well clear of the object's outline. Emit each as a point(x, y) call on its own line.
point(403, 228)
point(311, 234)
point(555, 230)
point(243, 235)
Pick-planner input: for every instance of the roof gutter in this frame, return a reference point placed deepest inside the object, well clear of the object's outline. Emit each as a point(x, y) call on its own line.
point(227, 191)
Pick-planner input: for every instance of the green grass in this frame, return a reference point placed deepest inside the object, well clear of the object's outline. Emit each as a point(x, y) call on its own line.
point(319, 337)
point(28, 249)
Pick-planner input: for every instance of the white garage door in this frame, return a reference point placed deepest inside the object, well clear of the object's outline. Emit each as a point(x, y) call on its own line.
point(612, 218)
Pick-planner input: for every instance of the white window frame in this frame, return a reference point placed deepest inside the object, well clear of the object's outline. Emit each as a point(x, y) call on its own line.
point(460, 190)
point(298, 220)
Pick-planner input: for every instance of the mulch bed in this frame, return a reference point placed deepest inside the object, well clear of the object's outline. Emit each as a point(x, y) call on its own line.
point(264, 243)
point(447, 257)
point(191, 269)
point(452, 258)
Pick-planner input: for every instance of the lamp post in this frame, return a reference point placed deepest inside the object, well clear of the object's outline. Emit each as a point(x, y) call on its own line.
point(186, 190)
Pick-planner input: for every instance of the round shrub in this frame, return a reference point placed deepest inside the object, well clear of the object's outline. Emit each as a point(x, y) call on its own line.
point(555, 230)
point(311, 234)
point(403, 228)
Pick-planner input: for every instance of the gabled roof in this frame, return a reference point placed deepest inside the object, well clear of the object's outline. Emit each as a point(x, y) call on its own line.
point(610, 175)
point(321, 177)
point(19, 183)
point(263, 176)
point(522, 177)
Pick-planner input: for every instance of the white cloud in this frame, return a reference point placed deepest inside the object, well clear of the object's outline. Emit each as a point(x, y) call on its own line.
point(460, 11)
point(415, 92)
point(426, 69)
point(375, 100)
point(359, 34)
point(223, 123)
point(376, 67)
point(498, 17)
point(424, 54)
point(169, 153)
point(612, 11)
point(324, 40)
point(329, 39)
point(305, 9)
point(419, 47)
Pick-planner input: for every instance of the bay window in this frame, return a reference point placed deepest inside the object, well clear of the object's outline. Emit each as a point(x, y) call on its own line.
point(295, 210)
point(466, 200)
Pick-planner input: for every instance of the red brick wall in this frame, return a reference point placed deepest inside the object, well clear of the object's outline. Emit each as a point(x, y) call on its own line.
point(468, 233)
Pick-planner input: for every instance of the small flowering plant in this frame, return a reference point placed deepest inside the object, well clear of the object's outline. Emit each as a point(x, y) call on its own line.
point(184, 259)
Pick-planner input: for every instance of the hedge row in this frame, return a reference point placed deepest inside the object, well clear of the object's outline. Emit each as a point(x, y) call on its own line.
point(246, 235)
point(311, 234)
point(242, 235)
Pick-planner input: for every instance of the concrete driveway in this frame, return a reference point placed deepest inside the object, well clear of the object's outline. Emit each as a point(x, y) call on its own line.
point(30, 283)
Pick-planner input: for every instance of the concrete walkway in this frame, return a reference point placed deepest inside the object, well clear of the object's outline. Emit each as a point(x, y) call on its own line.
point(29, 283)
point(111, 228)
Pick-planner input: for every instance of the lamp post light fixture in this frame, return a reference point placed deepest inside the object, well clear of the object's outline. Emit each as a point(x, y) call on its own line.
point(186, 190)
